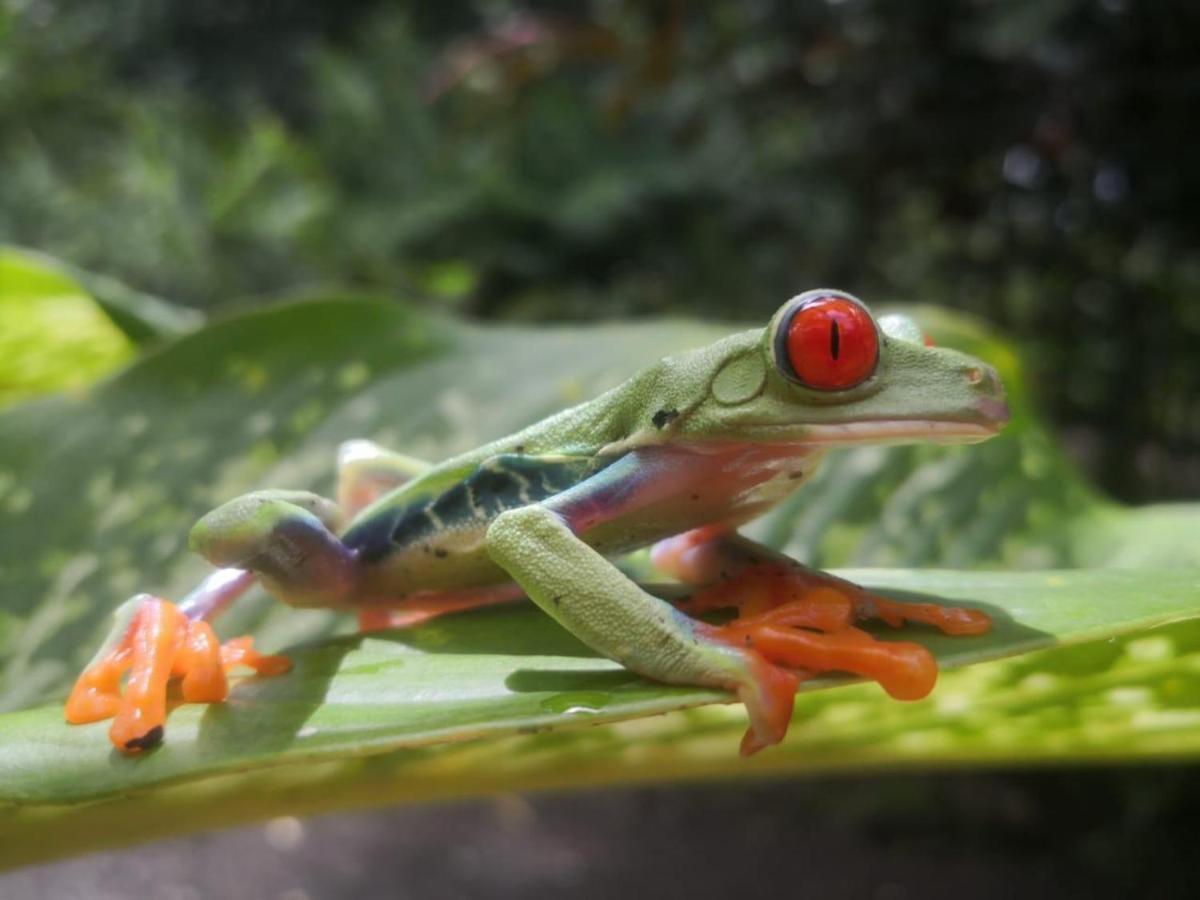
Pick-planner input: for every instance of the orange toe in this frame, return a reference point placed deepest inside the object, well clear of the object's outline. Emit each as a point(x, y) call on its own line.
point(240, 652)
point(955, 620)
point(97, 693)
point(158, 630)
point(906, 671)
point(784, 637)
point(794, 622)
point(200, 664)
point(769, 698)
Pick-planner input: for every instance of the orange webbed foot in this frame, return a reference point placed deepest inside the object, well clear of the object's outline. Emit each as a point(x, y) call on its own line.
point(782, 636)
point(792, 620)
point(160, 644)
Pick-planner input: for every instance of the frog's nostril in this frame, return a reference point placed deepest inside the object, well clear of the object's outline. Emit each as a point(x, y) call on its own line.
point(995, 410)
point(983, 378)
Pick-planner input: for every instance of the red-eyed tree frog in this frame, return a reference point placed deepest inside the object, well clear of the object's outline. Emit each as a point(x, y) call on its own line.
point(676, 458)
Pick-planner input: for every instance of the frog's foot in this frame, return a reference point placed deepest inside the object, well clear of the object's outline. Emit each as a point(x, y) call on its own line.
point(160, 644)
point(803, 621)
point(766, 586)
point(783, 649)
point(792, 636)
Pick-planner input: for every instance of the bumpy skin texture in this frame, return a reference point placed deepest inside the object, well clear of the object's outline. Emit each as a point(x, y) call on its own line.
point(695, 445)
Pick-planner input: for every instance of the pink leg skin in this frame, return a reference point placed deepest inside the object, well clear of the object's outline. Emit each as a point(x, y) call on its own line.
point(421, 608)
point(801, 622)
point(695, 557)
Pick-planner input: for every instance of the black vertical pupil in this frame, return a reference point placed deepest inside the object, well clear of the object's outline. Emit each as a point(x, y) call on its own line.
point(835, 339)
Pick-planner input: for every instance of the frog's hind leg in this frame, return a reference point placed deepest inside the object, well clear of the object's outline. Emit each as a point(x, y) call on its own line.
point(367, 471)
point(734, 572)
point(154, 642)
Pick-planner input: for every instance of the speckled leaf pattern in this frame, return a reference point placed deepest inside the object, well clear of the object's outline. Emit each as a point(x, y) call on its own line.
point(513, 671)
point(110, 481)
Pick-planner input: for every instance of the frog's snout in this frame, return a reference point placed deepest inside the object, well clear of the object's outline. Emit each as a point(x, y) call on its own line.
point(991, 404)
point(995, 411)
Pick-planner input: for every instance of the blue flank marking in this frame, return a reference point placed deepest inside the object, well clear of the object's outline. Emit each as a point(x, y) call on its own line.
point(502, 483)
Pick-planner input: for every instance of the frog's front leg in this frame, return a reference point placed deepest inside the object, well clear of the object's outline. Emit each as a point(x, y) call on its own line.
point(540, 547)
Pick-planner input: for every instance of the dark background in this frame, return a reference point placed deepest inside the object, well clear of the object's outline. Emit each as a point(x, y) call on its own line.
point(1031, 161)
point(1079, 835)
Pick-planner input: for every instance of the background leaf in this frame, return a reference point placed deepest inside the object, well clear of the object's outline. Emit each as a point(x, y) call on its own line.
point(109, 485)
point(52, 333)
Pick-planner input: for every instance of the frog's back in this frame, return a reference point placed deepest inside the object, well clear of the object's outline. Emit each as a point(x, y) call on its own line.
point(450, 518)
point(429, 534)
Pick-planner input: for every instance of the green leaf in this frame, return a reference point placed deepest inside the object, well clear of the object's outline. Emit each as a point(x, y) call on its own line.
point(515, 670)
point(141, 316)
point(52, 334)
point(362, 720)
point(97, 494)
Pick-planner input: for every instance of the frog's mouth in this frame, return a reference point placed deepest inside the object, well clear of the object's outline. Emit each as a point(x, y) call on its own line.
point(990, 415)
point(900, 431)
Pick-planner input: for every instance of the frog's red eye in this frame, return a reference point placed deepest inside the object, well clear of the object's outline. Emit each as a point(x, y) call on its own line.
point(830, 343)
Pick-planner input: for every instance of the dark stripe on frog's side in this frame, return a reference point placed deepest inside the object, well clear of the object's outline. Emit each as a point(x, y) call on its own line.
point(498, 484)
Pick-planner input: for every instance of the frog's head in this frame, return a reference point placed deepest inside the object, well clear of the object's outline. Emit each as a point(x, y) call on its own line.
point(825, 371)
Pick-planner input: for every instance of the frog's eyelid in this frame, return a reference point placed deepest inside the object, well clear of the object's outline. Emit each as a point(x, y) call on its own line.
point(902, 328)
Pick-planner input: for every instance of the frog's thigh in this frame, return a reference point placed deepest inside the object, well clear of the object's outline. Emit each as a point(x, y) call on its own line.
point(738, 572)
point(285, 538)
point(593, 600)
point(366, 471)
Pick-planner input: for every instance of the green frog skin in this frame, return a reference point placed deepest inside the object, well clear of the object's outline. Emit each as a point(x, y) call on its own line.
point(676, 458)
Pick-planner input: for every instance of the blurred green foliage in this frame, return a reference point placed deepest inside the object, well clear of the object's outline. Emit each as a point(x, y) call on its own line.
point(52, 334)
point(1028, 160)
